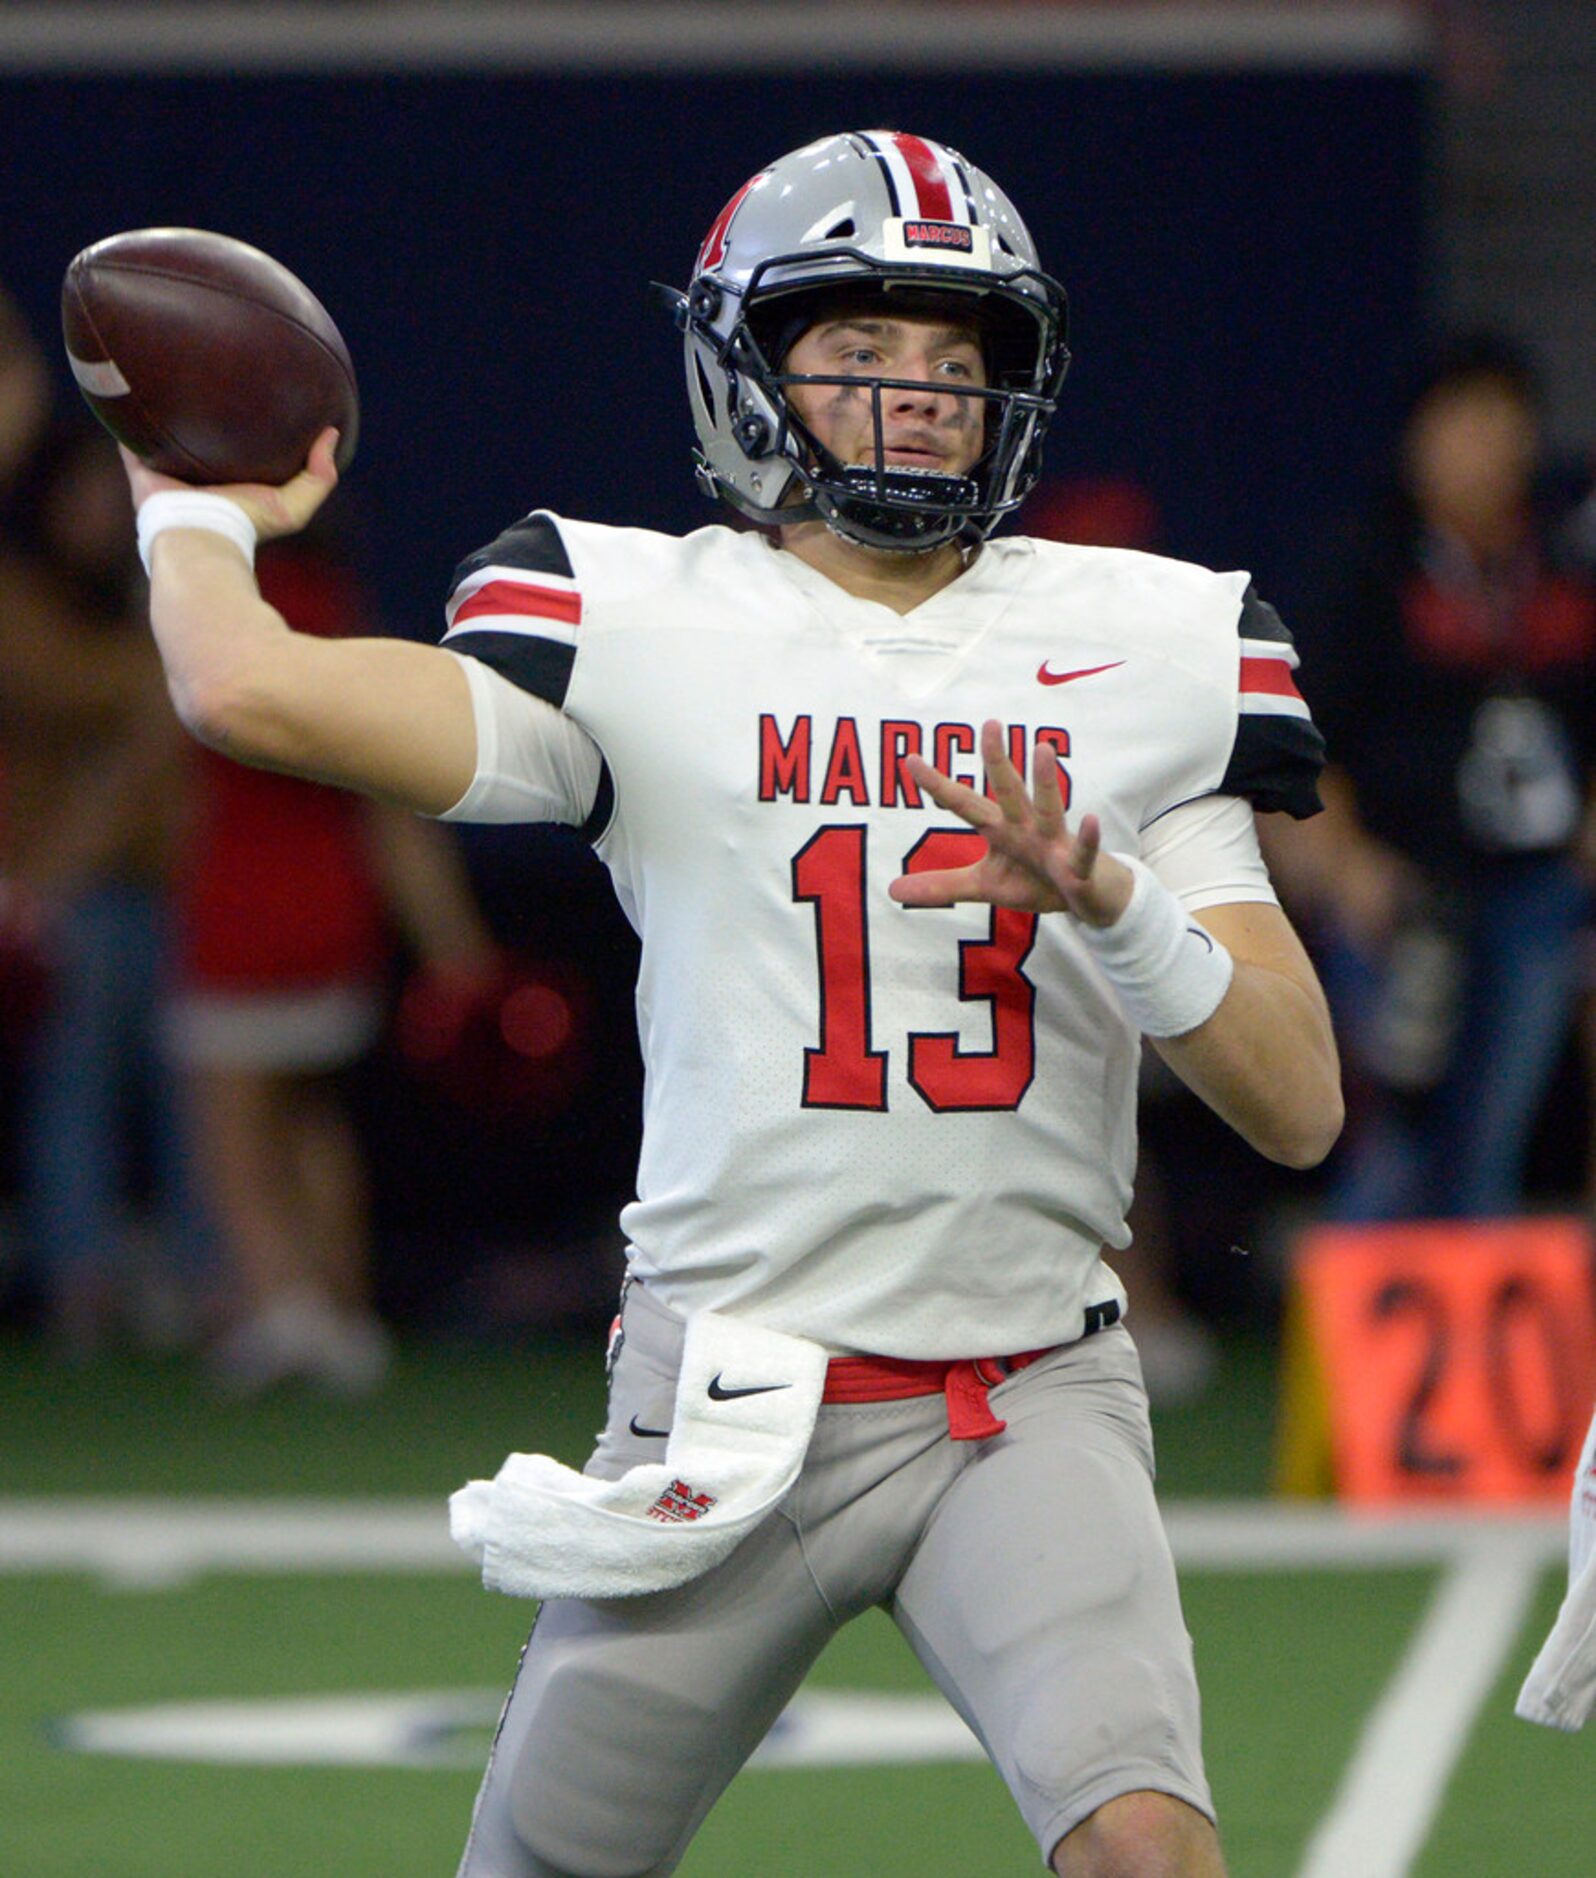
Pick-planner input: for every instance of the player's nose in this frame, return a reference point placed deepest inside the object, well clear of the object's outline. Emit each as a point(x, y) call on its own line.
point(921, 394)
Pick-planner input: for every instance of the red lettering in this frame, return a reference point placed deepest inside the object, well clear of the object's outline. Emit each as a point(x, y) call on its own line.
point(784, 766)
point(787, 761)
point(937, 235)
point(900, 737)
point(950, 740)
point(845, 771)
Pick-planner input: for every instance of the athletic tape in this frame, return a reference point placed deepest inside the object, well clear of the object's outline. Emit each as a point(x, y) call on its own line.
point(194, 508)
point(1170, 973)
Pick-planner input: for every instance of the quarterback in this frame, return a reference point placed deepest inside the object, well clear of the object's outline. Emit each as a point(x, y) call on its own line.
point(923, 831)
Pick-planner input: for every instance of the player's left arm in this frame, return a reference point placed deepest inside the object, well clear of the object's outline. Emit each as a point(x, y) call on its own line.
point(1261, 1053)
point(1266, 1061)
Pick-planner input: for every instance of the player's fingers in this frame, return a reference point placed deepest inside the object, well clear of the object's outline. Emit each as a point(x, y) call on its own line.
point(321, 464)
point(317, 480)
point(1086, 846)
point(942, 886)
point(1006, 782)
point(958, 797)
point(142, 480)
point(286, 510)
point(1046, 793)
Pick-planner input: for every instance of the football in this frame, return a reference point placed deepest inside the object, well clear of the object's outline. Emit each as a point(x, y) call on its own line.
point(206, 357)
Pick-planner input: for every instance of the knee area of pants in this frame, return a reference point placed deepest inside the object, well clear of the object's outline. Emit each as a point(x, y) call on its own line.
point(577, 1802)
point(1064, 1747)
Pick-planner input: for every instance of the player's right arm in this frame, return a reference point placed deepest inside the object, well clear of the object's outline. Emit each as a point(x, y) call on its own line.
point(387, 717)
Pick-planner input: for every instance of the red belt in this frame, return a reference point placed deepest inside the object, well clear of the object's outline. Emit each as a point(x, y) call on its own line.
point(965, 1383)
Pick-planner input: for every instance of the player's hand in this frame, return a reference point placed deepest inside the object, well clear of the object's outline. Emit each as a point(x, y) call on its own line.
point(1033, 859)
point(275, 512)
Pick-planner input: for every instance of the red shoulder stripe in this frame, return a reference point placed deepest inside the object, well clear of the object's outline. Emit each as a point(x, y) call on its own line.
point(499, 597)
point(1272, 676)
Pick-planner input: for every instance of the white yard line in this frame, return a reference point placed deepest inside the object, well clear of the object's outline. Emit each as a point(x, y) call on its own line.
point(150, 1541)
point(1275, 1535)
point(137, 1543)
point(1382, 1812)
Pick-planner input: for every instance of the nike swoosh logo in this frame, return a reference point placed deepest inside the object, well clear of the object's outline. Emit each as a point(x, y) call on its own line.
point(1045, 677)
point(648, 1434)
point(718, 1392)
point(1198, 933)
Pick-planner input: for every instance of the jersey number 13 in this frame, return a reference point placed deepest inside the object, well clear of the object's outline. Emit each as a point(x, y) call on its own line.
point(828, 872)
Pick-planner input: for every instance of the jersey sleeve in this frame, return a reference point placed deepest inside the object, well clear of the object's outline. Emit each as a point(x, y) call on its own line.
point(515, 605)
point(1206, 853)
point(533, 763)
point(1278, 752)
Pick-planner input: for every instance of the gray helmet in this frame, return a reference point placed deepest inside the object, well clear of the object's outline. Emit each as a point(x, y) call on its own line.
point(879, 212)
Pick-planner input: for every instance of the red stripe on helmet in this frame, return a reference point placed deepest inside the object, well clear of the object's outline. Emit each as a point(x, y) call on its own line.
point(936, 205)
point(713, 252)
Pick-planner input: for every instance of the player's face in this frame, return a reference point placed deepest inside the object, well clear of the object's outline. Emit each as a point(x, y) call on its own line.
point(1471, 451)
point(926, 427)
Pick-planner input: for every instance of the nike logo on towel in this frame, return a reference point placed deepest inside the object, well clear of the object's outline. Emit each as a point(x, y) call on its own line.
point(1045, 677)
point(648, 1434)
point(718, 1392)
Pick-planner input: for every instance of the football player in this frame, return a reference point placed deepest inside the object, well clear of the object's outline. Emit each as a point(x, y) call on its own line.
point(923, 831)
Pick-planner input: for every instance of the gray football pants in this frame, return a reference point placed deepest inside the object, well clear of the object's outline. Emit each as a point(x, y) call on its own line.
point(1029, 1573)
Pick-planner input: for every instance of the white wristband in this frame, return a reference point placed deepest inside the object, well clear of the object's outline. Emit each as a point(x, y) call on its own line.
point(194, 508)
point(1169, 972)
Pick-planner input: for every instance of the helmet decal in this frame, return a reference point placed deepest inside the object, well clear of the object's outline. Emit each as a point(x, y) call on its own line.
point(713, 252)
point(918, 175)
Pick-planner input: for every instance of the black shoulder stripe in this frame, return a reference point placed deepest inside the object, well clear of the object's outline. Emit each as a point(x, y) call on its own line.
point(1275, 763)
point(1259, 620)
point(533, 545)
point(541, 666)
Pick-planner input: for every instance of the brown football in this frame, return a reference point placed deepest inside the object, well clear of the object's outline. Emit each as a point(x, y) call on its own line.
point(207, 358)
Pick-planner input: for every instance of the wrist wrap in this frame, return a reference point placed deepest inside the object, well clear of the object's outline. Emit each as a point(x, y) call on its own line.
point(1169, 972)
point(194, 508)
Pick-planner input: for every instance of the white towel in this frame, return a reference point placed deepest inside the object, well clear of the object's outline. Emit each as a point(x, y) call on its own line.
point(746, 1401)
point(1560, 1690)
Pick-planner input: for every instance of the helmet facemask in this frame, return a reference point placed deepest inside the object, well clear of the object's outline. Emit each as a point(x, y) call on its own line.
point(894, 506)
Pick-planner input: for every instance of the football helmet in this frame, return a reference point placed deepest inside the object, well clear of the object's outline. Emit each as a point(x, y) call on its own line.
point(866, 212)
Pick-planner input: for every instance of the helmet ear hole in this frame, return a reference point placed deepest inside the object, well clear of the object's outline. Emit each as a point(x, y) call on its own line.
point(704, 390)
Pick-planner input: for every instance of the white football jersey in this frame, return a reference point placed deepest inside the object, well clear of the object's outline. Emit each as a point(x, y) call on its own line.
point(908, 1132)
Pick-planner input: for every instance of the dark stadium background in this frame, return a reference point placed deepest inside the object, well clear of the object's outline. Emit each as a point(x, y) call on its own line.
point(1246, 258)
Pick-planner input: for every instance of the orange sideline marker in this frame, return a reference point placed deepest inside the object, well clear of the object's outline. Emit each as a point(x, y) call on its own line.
point(1439, 1362)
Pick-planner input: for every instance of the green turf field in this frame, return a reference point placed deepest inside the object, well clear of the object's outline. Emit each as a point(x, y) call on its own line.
point(237, 1642)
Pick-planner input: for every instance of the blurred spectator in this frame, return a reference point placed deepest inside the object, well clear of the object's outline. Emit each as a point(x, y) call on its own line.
point(24, 393)
point(1179, 1352)
point(1453, 666)
point(93, 766)
point(284, 899)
